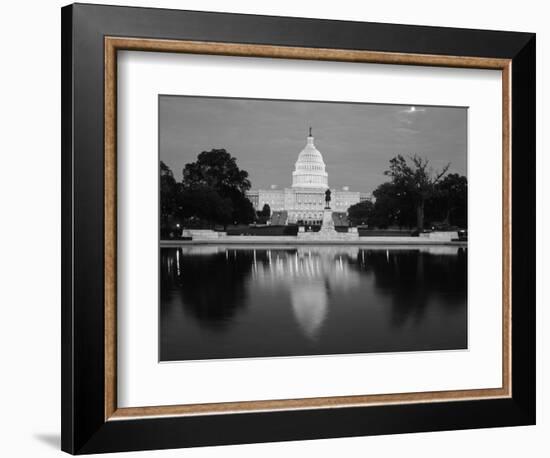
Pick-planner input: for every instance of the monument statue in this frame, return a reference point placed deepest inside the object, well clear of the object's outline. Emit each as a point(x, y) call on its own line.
point(327, 198)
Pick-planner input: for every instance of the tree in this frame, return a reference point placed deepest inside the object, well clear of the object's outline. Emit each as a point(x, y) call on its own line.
point(394, 206)
point(216, 181)
point(452, 199)
point(243, 210)
point(417, 180)
point(265, 211)
point(169, 190)
point(263, 215)
point(361, 213)
point(204, 204)
point(218, 170)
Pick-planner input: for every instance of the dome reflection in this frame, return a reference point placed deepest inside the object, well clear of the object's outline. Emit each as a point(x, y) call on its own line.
point(309, 275)
point(310, 306)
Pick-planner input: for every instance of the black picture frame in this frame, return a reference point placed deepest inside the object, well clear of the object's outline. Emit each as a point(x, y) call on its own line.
point(84, 427)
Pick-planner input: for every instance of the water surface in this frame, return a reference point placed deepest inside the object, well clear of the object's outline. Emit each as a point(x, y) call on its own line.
point(236, 302)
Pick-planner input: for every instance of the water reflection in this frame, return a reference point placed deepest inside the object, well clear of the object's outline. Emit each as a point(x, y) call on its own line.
point(310, 306)
point(230, 302)
point(209, 285)
point(309, 275)
point(411, 279)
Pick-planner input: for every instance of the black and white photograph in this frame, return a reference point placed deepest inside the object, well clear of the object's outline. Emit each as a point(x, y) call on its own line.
point(296, 228)
point(275, 229)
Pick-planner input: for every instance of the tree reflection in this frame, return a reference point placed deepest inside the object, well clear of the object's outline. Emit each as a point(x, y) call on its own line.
point(211, 285)
point(414, 278)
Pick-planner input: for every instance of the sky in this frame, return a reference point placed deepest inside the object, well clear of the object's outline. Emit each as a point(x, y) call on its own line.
point(357, 140)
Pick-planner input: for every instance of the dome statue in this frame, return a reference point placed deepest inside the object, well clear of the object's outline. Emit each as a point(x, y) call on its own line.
point(309, 170)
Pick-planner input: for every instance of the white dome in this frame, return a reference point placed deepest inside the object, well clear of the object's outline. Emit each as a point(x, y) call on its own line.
point(309, 171)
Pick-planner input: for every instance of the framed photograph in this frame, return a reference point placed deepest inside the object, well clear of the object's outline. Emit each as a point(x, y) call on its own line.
point(281, 228)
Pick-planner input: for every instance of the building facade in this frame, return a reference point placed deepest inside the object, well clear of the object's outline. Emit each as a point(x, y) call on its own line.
point(304, 201)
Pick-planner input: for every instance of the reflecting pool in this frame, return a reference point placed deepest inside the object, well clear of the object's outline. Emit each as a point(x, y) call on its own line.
point(237, 302)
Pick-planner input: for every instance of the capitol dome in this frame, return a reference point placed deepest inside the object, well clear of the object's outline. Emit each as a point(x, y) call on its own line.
point(309, 170)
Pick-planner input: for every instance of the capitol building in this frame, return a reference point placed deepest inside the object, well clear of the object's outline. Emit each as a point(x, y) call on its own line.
point(304, 201)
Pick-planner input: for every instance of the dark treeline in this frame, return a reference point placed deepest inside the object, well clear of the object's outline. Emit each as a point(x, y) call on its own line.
point(415, 197)
point(210, 193)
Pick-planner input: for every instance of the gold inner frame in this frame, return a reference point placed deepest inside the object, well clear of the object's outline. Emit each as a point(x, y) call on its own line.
point(114, 44)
